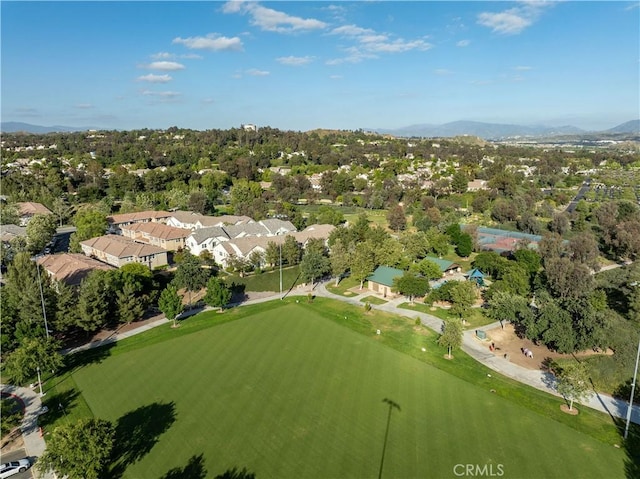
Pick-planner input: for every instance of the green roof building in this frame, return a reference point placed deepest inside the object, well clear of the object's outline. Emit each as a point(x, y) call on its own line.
point(381, 281)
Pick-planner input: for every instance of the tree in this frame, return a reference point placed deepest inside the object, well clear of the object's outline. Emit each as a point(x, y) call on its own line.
point(61, 209)
point(89, 223)
point(218, 294)
point(130, 307)
point(340, 259)
point(314, 265)
point(397, 219)
point(583, 248)
point(362, 262)
point(291, 251)
point(190, 275)
point(573, 382)
point(428, 269)
point(411, 285)
point(170, 303)
point(451, 337)
point(95, 302)
point(463, 295)
point(464, 246)
point(80, 450)
point(33, 353)
point(40, 230)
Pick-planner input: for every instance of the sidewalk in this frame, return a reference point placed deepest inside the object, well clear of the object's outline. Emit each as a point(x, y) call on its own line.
point(479, 351)
point(471, 345)
point(34, 444)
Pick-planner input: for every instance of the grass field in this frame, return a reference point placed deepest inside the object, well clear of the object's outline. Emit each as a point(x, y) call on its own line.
point(287, 390)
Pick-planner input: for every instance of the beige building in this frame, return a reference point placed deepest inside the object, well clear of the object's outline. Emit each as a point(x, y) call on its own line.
point(29, 209)
point(70, 268)
point(116, 222)
point(157, 234)
point(118, 250)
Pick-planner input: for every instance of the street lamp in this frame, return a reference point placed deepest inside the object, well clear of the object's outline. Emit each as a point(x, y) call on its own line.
point(44, 312)
point(280, 270)
point(633, 390)
point(39, 381)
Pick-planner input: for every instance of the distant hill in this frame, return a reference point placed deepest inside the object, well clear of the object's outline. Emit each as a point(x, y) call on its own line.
point(632, 126)
point(482, 130)
point(18, 127)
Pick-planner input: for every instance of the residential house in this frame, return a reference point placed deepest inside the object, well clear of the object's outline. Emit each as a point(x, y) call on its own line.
point(8, 232)
point(205, 239)
point(477, 185)
point(313, 232)
point(70, 268)
point(116, 222)
point(157, 234)
point(29, 209)
point(117, 251)
point(243, 248)
point(381, 281)
point(208, 238)
point(193, 221)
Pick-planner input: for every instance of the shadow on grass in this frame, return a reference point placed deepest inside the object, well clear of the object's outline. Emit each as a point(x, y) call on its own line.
point(234, 473)
point(94, 355)
point(193, 470)
point(59, 404)
point(136, 434)
point(392, 405)
point(631, 447)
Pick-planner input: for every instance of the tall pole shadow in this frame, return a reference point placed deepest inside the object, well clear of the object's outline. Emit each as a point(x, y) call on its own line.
point(392, 405)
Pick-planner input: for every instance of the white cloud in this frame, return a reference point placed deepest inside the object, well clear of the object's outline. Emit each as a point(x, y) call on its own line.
point(151, 78)
point(162, 56)
point(164, 66)
point(257, 73)
point(508, 22)
point(272, 20)
point(212, 41)
point(352, 31)
point(514, 20)
point(522, 68)
point(84, 106)
point(369, 43)
point(166, 95)
point(335, 77)
point(443, 72)
point(294, 61)
point(463, 43)
point(398, 46)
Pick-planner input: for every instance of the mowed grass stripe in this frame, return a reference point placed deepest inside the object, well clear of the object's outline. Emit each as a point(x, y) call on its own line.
point(287, 393)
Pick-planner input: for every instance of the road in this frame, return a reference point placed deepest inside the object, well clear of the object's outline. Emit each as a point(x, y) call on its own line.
point(581, 192)
point(14, 456)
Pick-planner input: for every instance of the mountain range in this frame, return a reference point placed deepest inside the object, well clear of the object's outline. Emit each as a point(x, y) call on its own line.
point(493, 131)
point(488, 131)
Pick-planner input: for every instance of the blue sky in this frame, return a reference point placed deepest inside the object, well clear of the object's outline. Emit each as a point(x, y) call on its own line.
point(306, 65)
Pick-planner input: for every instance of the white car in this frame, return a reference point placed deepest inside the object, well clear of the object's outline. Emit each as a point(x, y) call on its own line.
point(8, 469)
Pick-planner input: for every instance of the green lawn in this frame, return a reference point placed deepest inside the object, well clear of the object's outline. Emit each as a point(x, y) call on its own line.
point(298, 390)
point(474, 317)
point(373, 300)
point(268, 281)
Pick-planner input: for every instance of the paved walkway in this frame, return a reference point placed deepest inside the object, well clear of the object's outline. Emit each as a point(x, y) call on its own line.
point(34, 444)
point(479, 350)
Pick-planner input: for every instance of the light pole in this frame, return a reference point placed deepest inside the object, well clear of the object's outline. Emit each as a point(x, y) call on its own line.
point(39, 381)
point(280, 270)
point(633, 390)
point(44, 311)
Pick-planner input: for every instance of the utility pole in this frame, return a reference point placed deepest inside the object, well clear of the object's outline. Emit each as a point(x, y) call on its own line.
point(633, 390)
point(44, 312)
point(280, 270)
point(39, 381)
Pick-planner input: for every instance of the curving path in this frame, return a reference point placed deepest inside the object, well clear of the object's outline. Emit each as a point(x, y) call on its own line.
point(33, 442)
point(479, 351)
